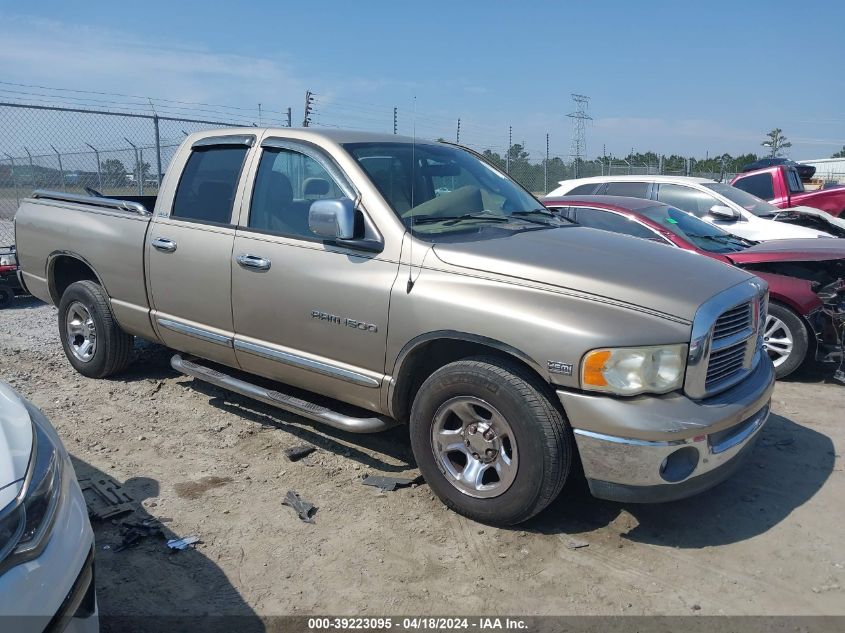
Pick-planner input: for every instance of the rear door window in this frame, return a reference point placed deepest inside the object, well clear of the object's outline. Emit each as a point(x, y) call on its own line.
point(759, 185)
point(613, 222)
point(206, 191)
point(584, 190)
point(625, 188)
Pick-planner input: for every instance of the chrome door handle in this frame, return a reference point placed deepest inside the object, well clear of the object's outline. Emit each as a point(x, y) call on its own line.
point(164, 244)
point(253, 261)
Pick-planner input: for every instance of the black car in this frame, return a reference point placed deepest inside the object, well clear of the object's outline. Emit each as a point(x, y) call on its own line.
point(805, 172)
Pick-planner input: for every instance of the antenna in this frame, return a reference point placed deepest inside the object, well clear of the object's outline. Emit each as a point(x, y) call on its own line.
point(410, 284)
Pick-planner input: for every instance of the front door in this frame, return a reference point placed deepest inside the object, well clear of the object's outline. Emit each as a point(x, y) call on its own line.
point(190, 253)
point(307, 313)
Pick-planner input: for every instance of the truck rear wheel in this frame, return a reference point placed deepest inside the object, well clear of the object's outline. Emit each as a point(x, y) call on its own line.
point(93, 341)
point(490, 441)
point(785, 339)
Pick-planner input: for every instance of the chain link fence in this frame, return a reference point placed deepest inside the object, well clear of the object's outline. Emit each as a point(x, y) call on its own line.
point(65, 149)
point(71, 149)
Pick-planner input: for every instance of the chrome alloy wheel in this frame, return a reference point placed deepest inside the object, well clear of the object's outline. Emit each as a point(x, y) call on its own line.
point(81, 332)
point(474, 447)
point(777, 340)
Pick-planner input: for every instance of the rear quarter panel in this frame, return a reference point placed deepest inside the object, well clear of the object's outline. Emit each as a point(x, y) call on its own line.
point(110, 242)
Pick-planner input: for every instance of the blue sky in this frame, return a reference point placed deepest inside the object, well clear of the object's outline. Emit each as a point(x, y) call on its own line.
point(670, 77)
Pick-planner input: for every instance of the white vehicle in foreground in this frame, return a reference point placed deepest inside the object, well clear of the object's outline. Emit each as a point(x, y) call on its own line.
point(46, 541)
point(717, 203)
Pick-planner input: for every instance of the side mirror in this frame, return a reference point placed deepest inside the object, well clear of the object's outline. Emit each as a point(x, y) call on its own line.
point(332, 219)
point(722, 212)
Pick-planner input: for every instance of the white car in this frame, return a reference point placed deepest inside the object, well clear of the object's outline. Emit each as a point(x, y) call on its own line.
point(46, 541)
point(720, 204)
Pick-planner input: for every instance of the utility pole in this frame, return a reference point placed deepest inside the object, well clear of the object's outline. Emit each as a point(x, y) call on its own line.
point(14, 180)
point(289, 115)
point(137, 167)
point(508, 154)
point(309, 106)
point(546, 167)
point(578, 147)
point(259, 115)
point(458, 133)
point(396, 120)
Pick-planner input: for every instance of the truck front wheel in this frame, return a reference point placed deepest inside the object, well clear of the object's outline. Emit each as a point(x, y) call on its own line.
point(490, 441)
point(93, 341)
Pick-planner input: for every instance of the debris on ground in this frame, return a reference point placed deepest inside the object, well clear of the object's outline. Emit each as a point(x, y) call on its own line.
point(296, 453)
point(182, 543)
point(573, 543)
point(105, 498)
point(304, 509)
point(391, 483)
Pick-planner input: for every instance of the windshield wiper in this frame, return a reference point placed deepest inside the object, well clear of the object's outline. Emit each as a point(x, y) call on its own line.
point(431, 219)
point(544, 213)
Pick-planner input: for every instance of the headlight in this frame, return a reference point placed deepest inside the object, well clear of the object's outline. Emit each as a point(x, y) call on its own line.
point(628, 371)
point(25, 524)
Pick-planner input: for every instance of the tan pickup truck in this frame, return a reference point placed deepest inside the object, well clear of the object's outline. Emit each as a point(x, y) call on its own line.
point(362, 280)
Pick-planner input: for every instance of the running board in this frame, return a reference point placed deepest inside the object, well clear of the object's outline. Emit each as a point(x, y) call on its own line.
point(306, 409)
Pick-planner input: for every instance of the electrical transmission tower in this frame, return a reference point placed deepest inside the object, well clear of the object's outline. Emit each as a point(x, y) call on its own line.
point(578, 149)
point(309, 108)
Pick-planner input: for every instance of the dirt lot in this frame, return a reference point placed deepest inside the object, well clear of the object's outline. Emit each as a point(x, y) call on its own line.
point(209, 463)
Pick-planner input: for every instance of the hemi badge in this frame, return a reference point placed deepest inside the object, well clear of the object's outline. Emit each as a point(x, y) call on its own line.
point(556, 367)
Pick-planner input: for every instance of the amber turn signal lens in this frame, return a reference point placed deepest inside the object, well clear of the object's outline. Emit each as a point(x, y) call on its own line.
point(593, 367)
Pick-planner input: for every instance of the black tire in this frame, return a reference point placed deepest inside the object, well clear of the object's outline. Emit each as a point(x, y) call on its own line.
point(113, 348)
point(7, 295)
point(800, 338)
point(543, 439)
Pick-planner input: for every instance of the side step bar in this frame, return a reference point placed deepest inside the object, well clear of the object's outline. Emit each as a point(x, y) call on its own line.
point(310, 410)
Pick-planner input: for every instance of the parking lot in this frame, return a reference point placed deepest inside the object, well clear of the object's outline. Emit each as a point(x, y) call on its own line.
point(210, 464)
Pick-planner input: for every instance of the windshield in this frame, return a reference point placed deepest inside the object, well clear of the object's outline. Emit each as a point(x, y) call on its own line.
point(744, 199)
point(698, 232)
point(442, 190)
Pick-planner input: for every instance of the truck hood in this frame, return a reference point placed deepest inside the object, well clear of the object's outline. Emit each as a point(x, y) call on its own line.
point(15, 443)
point(814, 250)
point(625, 269)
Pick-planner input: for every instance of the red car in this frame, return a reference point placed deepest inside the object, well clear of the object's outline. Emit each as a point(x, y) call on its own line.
point(806, 277)
point(781, 186)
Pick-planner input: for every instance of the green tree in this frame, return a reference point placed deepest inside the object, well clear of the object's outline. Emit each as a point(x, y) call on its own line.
point(776, 142)
point(114, 173)
point(840, 153)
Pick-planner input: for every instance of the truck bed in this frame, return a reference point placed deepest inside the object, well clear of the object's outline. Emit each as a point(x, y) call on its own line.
point(106, 233)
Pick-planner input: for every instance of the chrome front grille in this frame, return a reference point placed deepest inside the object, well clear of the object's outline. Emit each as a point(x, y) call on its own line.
point(724, 343)
point(725, 363)
point(732, 322)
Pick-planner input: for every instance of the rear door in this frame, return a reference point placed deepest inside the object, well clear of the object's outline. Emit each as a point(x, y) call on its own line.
point(189, 251)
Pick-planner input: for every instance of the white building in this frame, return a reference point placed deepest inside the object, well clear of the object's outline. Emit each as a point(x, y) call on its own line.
point(828, 169)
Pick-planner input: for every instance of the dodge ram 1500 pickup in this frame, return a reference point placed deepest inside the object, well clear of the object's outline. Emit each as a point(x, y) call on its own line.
point(365, 280)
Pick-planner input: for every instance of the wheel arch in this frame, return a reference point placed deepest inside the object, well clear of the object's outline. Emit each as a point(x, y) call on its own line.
point(426, 353)
point(65, 268)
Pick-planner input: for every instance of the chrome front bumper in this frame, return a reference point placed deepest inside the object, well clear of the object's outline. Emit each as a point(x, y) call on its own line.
point(660, 448)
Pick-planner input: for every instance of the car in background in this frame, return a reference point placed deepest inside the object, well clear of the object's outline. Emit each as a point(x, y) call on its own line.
point(719, 204)
point(46, 541)
point(805, 172)
point(782, 187)
point(10, 285)
point(802, 319)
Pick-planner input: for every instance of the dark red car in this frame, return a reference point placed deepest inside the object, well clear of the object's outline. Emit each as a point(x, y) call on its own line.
point(806, 277)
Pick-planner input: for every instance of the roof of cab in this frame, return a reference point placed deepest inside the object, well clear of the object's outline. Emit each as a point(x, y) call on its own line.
point(338, 136)
point(635, 178)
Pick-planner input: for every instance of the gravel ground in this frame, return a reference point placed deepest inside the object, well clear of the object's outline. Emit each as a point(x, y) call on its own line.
point(209, 463)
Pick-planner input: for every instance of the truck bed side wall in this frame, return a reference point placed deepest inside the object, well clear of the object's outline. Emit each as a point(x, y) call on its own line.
point(110, 242)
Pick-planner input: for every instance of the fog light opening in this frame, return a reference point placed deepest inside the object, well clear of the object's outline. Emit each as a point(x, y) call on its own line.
point(679, 465)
